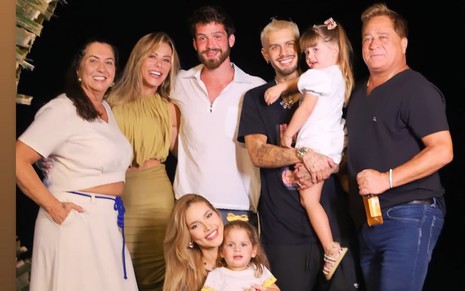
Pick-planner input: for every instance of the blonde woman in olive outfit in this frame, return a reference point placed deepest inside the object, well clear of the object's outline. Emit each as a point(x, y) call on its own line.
point(142, 108)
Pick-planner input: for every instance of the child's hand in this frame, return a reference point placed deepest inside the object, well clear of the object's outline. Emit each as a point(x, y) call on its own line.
point(256, 287)
point(272, 94)
point(286, 141)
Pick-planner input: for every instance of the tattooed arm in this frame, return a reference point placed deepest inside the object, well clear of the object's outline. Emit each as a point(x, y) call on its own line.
point(266, 155)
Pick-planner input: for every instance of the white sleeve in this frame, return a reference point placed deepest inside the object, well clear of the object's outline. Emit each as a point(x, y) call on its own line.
point(50, 126)
point(268, 278)
point(317, 82)
point(213, 281)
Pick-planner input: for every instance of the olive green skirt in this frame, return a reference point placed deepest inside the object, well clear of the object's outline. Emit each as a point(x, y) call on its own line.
point(148, 198)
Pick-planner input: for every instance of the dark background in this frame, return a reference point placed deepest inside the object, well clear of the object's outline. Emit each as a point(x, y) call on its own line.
point(436, 48)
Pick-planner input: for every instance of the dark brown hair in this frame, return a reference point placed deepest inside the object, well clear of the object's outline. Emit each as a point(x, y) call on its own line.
point(399, 23)
point(208, 14)
point(73, 89)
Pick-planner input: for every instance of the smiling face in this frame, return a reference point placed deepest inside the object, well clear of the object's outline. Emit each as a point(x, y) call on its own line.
point(156, 67)
point(237, 249)
point(205, 225)
point(282, 52)
point(97, 69)
point(212, 43)
point(321, 55)
point(383, 50)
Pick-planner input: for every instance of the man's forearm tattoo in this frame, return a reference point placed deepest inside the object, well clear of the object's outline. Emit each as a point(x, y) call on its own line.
point(270, 156)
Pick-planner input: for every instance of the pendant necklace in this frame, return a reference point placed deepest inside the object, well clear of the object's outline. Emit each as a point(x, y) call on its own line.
point(287, 102)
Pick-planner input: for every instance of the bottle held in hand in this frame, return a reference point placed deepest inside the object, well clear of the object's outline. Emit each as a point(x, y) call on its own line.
point(372, 209)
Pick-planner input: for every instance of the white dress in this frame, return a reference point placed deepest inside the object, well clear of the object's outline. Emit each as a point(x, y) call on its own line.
point(224, 279)
point(323, 131)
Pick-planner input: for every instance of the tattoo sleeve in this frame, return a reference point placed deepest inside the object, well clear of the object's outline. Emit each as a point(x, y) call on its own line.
point(271, 156)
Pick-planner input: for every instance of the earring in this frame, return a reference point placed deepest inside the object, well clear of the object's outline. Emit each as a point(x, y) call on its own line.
point(190, 245)
point(112, 84)
point(79, 79)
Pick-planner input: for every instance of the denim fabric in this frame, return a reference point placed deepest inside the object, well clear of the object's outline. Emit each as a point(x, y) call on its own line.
point(395, 255)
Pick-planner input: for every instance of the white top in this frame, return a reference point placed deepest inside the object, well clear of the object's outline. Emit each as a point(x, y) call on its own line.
point(211, 162)
point(86, 154)
point(223, 279)
point(324, 129)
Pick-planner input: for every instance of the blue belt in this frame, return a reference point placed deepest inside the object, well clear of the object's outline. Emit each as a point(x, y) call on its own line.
point(118, 207)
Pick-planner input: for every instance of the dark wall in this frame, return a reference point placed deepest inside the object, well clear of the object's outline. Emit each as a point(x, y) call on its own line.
point(436, 46)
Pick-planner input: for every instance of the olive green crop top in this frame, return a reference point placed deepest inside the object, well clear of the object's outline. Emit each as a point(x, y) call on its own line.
point(146, 124)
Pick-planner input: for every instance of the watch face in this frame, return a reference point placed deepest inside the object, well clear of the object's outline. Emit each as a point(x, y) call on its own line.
point(301, 152)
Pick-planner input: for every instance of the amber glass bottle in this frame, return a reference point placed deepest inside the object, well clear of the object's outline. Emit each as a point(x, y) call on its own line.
point(372, 209)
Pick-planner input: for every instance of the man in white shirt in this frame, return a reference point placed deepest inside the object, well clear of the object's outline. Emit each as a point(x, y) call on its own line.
point(210, 161)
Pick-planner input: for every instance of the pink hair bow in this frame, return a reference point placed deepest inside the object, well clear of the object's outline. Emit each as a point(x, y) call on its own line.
point(330, 23)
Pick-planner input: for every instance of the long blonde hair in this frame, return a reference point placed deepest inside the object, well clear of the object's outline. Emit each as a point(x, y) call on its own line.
point(185, 270)
point(129, 87)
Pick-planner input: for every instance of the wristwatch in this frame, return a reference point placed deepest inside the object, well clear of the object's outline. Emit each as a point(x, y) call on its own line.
point(301, 152)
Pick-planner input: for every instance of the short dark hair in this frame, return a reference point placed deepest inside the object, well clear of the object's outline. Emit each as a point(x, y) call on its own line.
point(207, 14)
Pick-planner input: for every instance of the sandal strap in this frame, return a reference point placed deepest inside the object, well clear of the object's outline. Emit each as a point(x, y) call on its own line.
point(332, 261)
point(329, 259)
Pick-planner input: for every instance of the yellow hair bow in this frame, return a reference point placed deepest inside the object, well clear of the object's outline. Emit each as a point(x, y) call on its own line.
point(233, 217)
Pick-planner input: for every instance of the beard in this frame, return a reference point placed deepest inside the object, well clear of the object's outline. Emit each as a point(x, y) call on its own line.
point(214, 63)
point(285, 71)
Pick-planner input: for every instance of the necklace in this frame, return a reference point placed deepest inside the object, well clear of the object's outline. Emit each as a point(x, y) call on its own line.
point(288, 101)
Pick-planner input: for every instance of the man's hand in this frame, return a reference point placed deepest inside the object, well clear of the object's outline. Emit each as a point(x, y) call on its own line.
point(302, 177)
point(372, 182)
point(319, 166)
